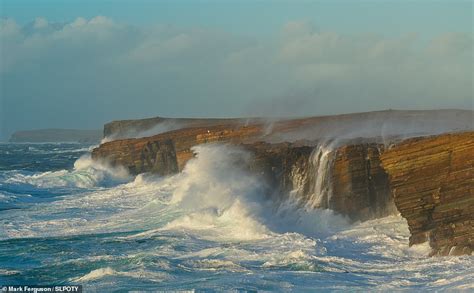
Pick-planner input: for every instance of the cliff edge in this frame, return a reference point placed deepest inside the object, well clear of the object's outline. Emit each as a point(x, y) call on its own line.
point(432, 183)
point(331, 163)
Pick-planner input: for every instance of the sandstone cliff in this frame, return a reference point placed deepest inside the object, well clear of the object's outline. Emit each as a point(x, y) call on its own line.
point(428, 179)
point(122, 129)
point(432, 182)
point(360, 184)
point(167, 153)
point(357, 186)
point(382, 123)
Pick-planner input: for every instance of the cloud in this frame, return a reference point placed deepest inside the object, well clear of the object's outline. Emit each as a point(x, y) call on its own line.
point(90, 71)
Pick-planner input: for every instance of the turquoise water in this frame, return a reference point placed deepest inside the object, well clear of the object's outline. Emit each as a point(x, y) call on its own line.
point(65, 219)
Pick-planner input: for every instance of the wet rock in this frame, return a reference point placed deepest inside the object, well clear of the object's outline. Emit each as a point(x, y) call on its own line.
point(428, 179)
point(432, 183)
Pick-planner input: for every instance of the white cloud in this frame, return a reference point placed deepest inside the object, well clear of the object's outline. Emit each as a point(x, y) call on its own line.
point(123, 71)
point(40, 23)
point(8, 27)
point(451, 45)
point(295, 29)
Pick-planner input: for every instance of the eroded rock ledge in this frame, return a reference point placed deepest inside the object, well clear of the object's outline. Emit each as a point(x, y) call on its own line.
point(432, 183)
point(429, 180)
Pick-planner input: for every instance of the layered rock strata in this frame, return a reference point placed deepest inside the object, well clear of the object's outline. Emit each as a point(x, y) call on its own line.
point(389, 122)
point(357, 186)
point(428, 179)
point(360, 185)
point(123, 129)
point(168, 153)
point(432, 183)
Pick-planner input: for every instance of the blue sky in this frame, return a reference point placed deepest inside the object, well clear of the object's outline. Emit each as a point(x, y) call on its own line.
point(260, 17)
point(79, 64)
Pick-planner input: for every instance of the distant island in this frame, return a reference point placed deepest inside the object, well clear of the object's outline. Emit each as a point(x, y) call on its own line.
point(57, 135)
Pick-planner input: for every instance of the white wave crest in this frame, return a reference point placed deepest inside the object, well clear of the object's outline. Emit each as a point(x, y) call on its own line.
point(214, 216)
point(87, 173)
point(108, 271)
point(217, 195)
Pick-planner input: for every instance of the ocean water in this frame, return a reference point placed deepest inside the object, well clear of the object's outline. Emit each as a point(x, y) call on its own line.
point(65, 219)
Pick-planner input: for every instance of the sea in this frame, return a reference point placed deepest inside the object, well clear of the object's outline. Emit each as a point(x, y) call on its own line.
point(66, 219)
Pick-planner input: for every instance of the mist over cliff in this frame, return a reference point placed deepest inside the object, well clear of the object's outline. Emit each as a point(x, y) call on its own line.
point(380, 126)
point(287, 146)
point(117, 70)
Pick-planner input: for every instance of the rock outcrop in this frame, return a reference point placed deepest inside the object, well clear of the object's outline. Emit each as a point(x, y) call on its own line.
point(428, 179)
point(432, 182)
point(123, 129)
point(154, 154)
point(383, 123)
point(358, 186)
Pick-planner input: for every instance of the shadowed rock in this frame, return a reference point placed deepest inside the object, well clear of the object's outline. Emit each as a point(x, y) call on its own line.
point(432, 182)
point(329, 162)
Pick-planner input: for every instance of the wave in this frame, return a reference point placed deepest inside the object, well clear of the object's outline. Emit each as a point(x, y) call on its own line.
point(215, 216)
point(59, 149)
point(86, 173)
point(18, 188)
point(214, 197)
point(107, 271)
point(215, 194)
point(222, 201)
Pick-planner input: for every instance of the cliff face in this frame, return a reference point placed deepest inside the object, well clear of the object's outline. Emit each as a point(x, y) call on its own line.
point(167, 153)
point(123, 129)
point(432, 182)
point(357, 186)
point(429, 179)
point(369, 124)
point(276, 164)
point(360, 184)
point(347, 179)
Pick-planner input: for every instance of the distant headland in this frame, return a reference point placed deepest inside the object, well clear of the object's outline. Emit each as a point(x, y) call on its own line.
point(57, 135)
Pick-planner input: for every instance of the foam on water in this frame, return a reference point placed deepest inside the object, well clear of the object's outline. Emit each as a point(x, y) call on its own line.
point(107, 271)
point(212, 227)
point(86, 174)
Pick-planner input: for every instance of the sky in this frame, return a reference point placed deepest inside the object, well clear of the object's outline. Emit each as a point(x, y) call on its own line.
point(80, 64)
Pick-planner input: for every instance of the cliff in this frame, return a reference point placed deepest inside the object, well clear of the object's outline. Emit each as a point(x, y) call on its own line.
point(122, 129)
point(368, 124)
point(428, 179)
point(358, 186)
point(432, 182)
point(167, 153)
point(347, 179)
point(57, 135)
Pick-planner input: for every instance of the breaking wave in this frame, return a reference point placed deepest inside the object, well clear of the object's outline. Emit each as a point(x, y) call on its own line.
point(86, 173)
point(210, 227)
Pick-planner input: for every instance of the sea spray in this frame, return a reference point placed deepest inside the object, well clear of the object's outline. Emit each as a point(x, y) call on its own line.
point(312, 182)
point(216, 192)
point(101, 172)
point(86, 173)
point(321, 164)
point(116, 236)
